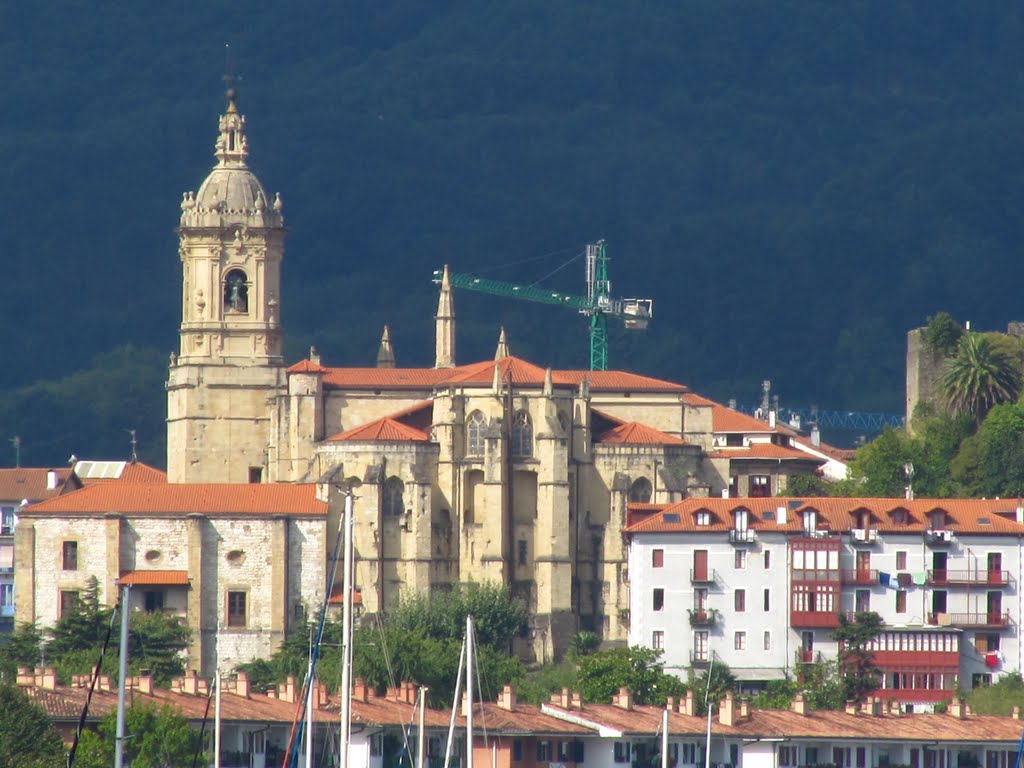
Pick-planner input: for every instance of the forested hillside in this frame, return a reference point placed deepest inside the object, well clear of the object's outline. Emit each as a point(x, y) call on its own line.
point(795, 183)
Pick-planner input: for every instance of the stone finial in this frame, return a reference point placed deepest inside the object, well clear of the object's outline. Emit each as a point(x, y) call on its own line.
point(386, 353)
point(278, 205)
point(585, 389)
point(314, 356)
point(232, 147)
point(496, 382)
point(549, 387)
point(502, 348)
point(444, 325)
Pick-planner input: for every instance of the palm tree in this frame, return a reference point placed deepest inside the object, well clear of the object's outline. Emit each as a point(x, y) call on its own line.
point(981, 375)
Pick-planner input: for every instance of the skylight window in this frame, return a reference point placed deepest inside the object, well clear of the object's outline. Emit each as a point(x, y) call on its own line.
point(671, 517)
point(984, 521)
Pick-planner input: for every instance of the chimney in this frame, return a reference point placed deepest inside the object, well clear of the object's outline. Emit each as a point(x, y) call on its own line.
point(176, 685)
point(1020, 513)
point(286, 690)
point(851, 706)
point(189, 682)
point(359, 691)
point(686, 704)
point(25, 677)
point(465, 704)
point(242, 685)
point(815, 436)
point(877, 707)
point(780, 515)
point(144, 684)
point(670, 703)
point(507, 699)
point(51, 479)
point(745, 708)
point(968, 712)
point(623, 699)
point(320, 697)
point(314, 356)
point(800, 704)
point(771, 419)
point(271, 693)
point(563, 698)
point(576, 702)
point(203, 687)
point(104, 683)
point(894, 708)
point(1016, 712)
point(727, 710)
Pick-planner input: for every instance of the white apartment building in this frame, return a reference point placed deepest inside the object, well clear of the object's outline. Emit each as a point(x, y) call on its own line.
point(759, 584)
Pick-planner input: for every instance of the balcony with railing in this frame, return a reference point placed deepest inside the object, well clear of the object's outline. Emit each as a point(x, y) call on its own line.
point(805, 656)
point(938, 537)
point(864, 535)
point(948, 578)
point(703, 576)
point(813, 619)
point(700, 658)
point(860, 576)
point(703, 617)
point(745, 536)
point(989, 620)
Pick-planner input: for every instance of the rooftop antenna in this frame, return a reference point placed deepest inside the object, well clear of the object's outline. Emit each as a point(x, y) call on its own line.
point(16, 442)
point(135, 446)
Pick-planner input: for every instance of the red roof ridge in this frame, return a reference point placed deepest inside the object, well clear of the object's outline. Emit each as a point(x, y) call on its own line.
point(634, 432)
point(306, 366)
point(386, 429)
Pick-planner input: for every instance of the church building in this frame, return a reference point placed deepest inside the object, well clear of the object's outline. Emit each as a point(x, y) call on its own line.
point(496, 470)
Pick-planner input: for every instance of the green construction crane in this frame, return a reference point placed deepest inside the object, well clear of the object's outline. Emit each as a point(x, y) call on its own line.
point(597, 304)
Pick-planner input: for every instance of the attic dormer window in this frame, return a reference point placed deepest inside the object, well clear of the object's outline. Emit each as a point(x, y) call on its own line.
point(810, 518)
point(740, 518)
point(703, 518)
point(899, 517)
point(938, 520)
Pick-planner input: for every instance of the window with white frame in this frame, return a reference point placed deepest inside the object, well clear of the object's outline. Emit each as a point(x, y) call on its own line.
point(740, 559)
point(739, 641)
point(658, 640)
point(476, 429)
point(6, 521)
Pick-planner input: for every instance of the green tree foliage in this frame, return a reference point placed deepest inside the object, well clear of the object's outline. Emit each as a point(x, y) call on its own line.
point(156, 642)
point(160, 738)
point(856, 663)
point(823, 685)
point(943, 334)
point(27, 737)
point(985, 371)
point(601, 674)
point(999, 698)
point(777, 694)
point(712, 685)
point(809, 486)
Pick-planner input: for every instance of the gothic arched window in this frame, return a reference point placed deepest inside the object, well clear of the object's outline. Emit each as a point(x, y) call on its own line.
point(236, 291)
point(394, 504)
point(475, 434)
point(522, 434)
point(640, 490)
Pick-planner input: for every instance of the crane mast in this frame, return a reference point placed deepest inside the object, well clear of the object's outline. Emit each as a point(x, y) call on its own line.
point(598, 303)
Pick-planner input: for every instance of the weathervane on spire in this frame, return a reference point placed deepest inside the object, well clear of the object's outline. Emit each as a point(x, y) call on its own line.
point(231, 79)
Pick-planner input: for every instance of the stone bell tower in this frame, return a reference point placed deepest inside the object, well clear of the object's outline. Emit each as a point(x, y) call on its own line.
point(229, 367)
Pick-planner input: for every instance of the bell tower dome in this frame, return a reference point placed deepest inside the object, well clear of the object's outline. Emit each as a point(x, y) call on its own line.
point(229, 367)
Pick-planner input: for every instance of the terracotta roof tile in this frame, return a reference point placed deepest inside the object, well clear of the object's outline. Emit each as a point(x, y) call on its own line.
point(91, 472)
point(764, 451)
point(523, 372)
point(186, 498)
point(161, 578)
point(839, 515)
point(386, 429)
point(33, 483)
point(337, 596)
point(636, 433)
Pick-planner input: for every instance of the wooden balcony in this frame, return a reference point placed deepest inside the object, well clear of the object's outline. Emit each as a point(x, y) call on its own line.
point(947, 578)
point(979, 620)
point(707, 576)
point(860, 576)
point(707, 617)
point(813, 620)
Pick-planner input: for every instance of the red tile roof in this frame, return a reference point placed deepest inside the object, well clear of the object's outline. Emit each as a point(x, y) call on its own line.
point(764, 451)
point(523, 374)
point(386, 429)
point(337, 596)
point(33, 483)
point(161, 578)
point(90, 472)
point(640, 434)
point(974, 516)
point(186, 498)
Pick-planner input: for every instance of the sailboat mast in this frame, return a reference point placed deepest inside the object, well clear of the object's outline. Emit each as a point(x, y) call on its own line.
point(422, 743)
point(664, 738)
point(122, 674)
point(346, 637)
point(216, 721)
point(469, 692)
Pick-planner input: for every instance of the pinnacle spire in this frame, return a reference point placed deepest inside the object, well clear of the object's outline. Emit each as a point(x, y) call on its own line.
point(386, 353)
point(502, 350)
point(444, 325)
point(232, 148)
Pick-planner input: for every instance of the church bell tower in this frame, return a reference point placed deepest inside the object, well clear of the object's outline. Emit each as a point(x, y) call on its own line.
point(229, 367)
